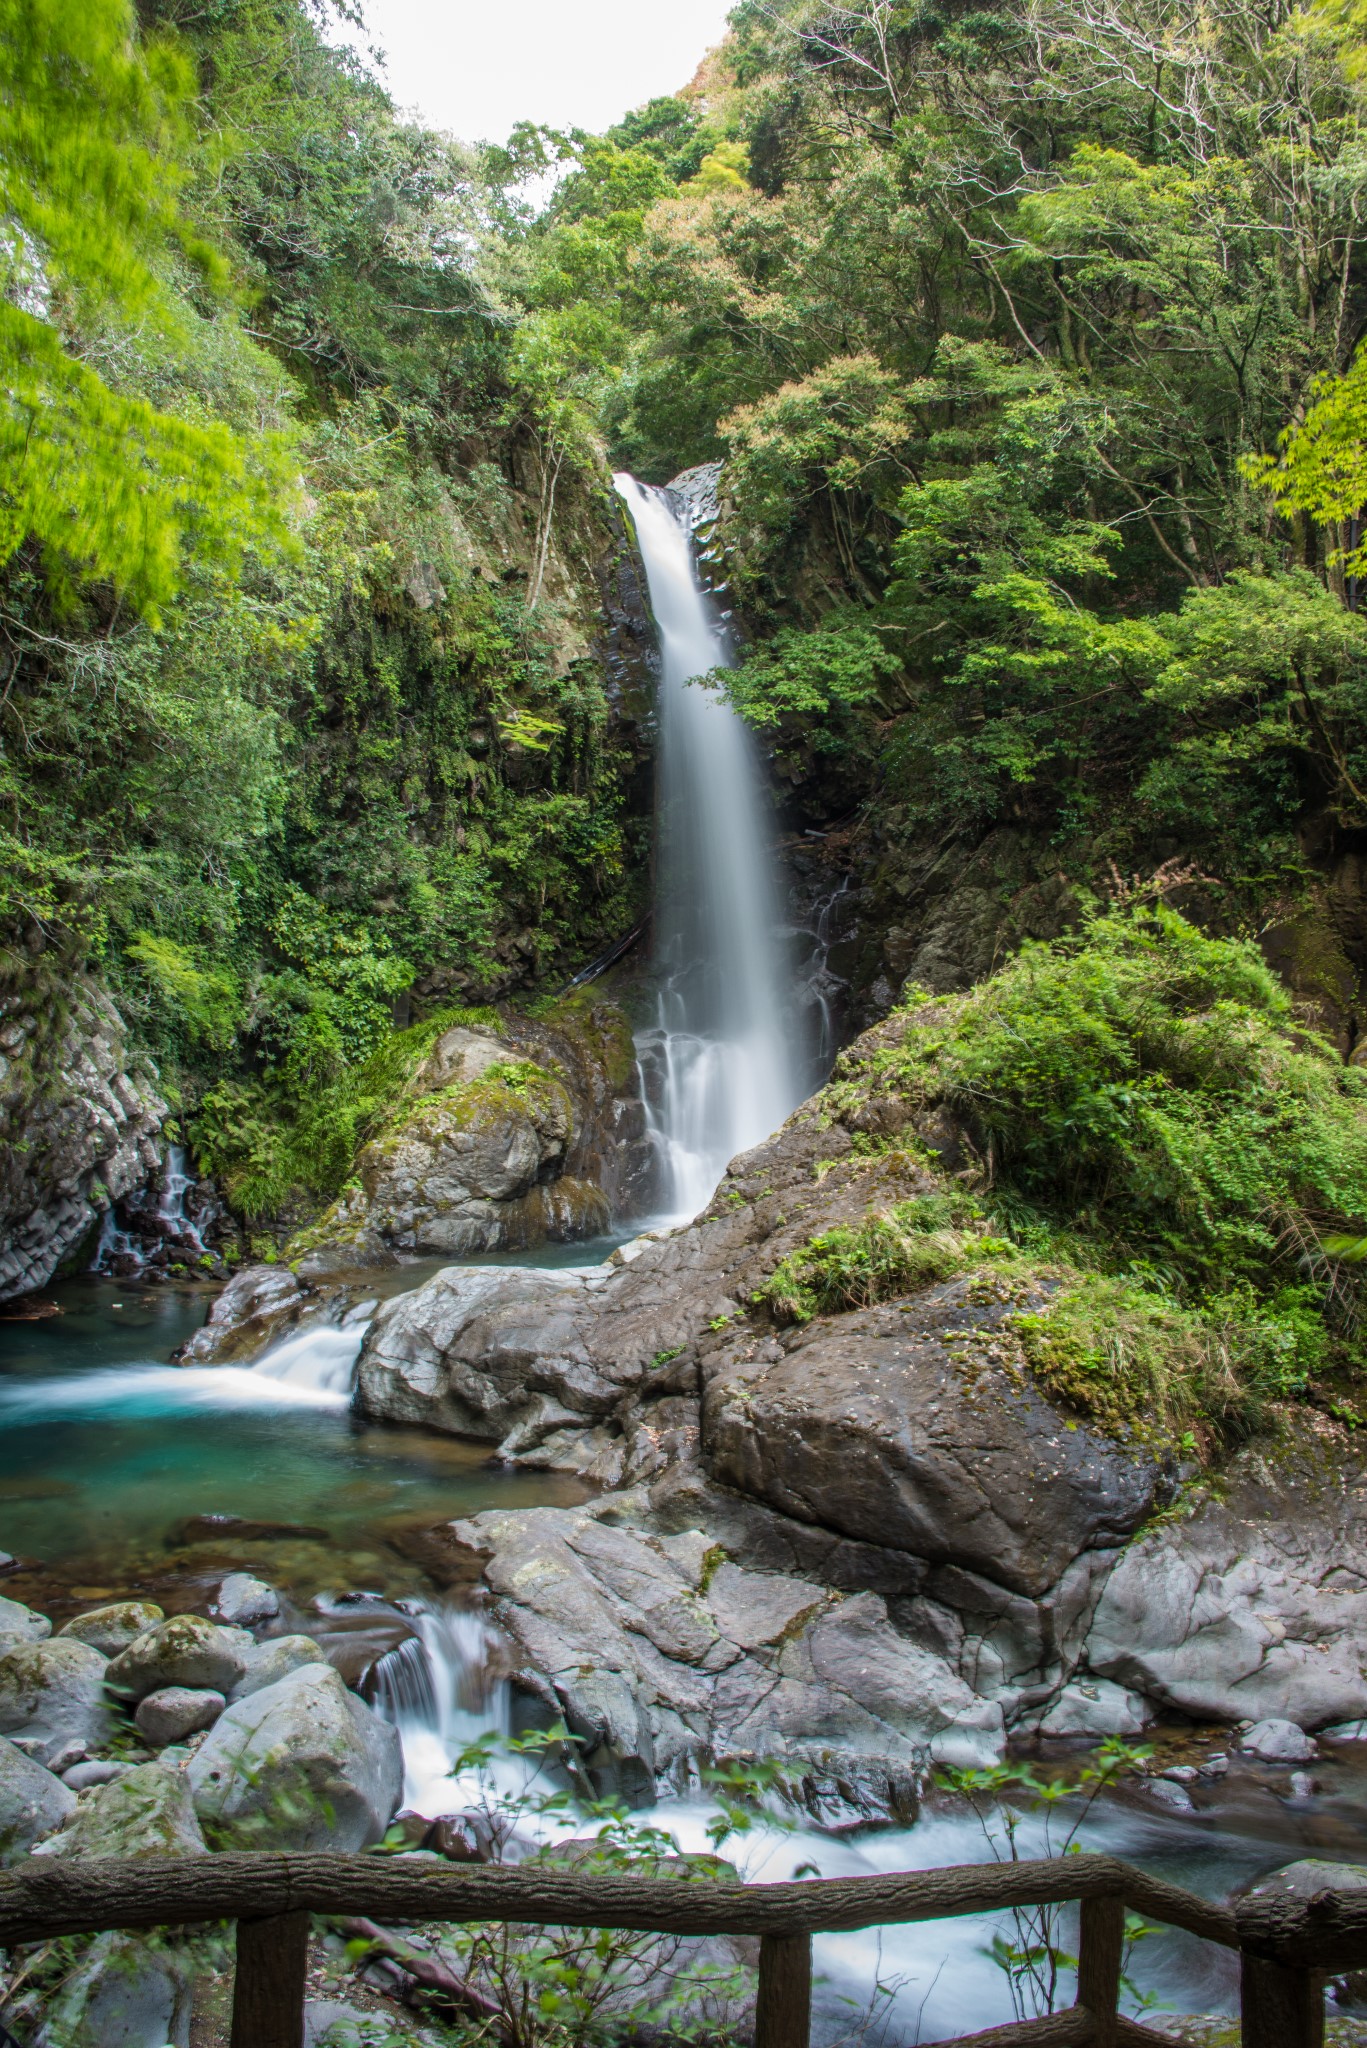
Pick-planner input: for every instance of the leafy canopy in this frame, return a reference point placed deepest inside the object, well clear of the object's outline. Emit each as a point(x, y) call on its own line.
point(92, 134)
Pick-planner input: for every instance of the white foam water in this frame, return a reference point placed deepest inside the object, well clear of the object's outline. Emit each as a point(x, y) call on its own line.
point(723, 1061)
point(313, 1369)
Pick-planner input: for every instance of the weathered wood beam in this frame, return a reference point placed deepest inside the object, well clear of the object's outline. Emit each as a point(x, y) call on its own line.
point(43, 1898)
point(1070, 2029)
point(1325, 1932)
point(1280, 2007)
point(1101, 1947)
point(269, 1983)
point(783, 2010)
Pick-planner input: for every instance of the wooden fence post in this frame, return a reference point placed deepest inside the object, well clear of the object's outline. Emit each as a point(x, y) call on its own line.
point(1100, 1950)
point(783, 2015)
point(1280, 2007)
point(268, 1988)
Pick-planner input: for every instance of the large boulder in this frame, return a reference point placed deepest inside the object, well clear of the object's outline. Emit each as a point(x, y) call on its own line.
point(302, 1764)
point(484, 1352)
point(184, 1651)
point(52, 1700)
point(501, 1140)
point(258, 1306)
point(914, 1426)
point(661, 1653)
point(32, 1803)
point(146, 1811)
point(1254, 1605)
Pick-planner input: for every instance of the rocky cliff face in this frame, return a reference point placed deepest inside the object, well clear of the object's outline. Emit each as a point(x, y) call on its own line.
point(79, 1123)
point(867, 1543)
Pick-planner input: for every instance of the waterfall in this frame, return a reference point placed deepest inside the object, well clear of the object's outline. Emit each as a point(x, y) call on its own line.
point(441, 1694)
point(723, 1060)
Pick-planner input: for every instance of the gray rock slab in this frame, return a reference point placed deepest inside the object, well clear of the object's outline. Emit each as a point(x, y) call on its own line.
point(1096, 1707)
point(301, 1764)
point(661, 1655)
point(33, 1803)
point(1254, 1606)
point(52, 1697)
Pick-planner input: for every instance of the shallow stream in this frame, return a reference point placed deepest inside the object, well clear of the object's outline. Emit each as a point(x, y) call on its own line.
point(110, 1455)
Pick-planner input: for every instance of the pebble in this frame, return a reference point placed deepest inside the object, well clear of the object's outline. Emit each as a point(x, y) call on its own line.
point(1176, 1798)
point(1303, 1786)
point(98, 1771)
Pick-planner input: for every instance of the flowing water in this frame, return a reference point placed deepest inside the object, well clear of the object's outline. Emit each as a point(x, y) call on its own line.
point(724, 1059)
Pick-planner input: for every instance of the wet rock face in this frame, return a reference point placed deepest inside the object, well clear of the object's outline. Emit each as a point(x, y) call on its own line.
point(79, 1121)
point(1255, 1606)
point(906, 1426)
point(662, 1655)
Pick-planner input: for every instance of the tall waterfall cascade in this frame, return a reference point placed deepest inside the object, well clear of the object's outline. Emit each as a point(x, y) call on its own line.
point(724, 1059)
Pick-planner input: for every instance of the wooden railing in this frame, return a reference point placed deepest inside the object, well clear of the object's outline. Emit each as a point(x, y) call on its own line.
point(1287, 1946)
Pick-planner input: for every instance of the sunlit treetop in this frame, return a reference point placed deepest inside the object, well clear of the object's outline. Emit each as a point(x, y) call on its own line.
point(93, 146)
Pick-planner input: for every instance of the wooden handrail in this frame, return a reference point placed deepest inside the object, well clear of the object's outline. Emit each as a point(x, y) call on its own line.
point(43, 1898)
point(1286, 1944)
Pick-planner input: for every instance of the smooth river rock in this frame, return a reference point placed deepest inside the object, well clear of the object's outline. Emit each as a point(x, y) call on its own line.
point(301, 1764)
point(52, 1700)
point(111, 1629)
point(244, 1601)
point(19, 1624)
point(175, 1712)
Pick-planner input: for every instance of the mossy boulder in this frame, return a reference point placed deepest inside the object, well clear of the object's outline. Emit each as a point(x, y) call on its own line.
point(498, 1139)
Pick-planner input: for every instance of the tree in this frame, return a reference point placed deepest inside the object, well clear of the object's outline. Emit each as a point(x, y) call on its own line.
point(92, 139)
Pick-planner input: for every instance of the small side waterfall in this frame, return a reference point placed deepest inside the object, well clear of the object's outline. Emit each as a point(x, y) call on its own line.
point(724, 1063)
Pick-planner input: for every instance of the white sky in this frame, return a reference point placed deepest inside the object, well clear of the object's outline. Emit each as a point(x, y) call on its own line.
point(477, 66)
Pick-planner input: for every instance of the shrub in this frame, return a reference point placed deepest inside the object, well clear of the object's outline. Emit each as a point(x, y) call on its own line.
point(889, 1252)
point(1137, 1361)
point(1145, 1084)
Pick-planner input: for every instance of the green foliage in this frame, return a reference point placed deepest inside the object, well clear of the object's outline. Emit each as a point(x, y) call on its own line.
point(93, 140)
point(913, 1244)
point(1143, 1082)
point(268, 1141)
point(560, 1987)
point(1141, 1363)
point(1013, 1801)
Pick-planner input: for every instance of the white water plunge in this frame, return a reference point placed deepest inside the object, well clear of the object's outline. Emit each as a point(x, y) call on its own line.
point(724, 1061)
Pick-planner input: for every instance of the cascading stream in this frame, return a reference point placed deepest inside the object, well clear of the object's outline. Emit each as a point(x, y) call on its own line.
point(724, 1060)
